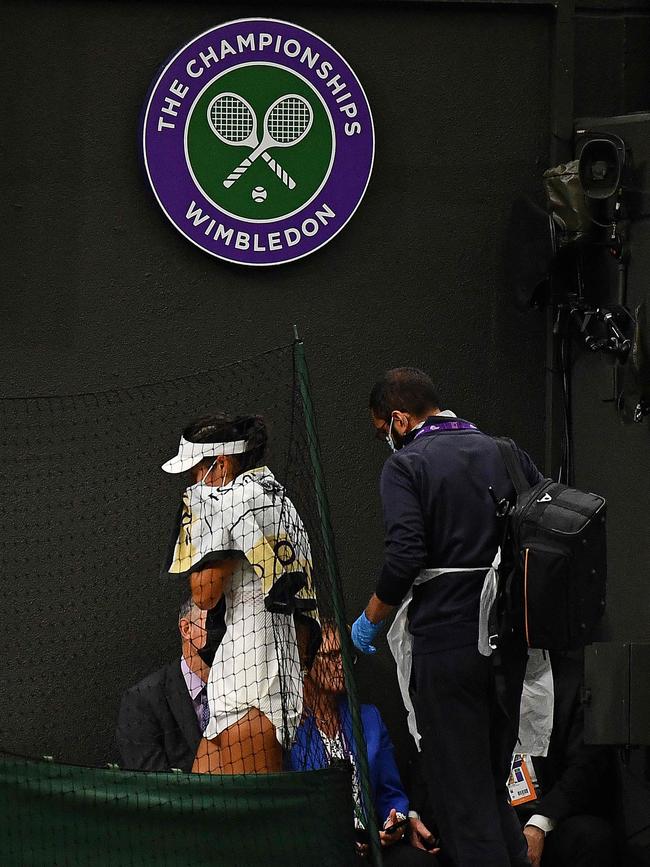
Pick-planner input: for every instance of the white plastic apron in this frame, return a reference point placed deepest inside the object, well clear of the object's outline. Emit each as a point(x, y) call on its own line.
point(400, 642)
point(536, 713)
point(537, 702)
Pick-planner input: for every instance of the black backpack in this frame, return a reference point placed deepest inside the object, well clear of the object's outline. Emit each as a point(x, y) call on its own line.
point(554, 562)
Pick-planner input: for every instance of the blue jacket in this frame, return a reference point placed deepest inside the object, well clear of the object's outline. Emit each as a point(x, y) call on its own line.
point(308, 754)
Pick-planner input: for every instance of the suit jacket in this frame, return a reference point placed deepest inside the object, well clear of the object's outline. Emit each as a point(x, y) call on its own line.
point(575, 778)
point(308, 754)
point(157, 727)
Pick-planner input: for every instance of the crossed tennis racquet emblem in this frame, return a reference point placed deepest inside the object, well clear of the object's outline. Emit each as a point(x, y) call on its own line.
point(286, 122)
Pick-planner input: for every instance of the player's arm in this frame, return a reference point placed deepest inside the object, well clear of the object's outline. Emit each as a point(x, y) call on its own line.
point(206, 584)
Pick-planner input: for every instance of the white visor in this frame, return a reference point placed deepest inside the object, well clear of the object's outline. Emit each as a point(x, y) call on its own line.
point(190, 454)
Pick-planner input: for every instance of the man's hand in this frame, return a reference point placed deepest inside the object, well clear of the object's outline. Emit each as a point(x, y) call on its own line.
point(420, 837)
point(369, 623)
point(364, 633)
point(535, 838)
point(396, 836)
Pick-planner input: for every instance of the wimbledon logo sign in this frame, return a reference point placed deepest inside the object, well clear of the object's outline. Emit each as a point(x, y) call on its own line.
point(258, 141)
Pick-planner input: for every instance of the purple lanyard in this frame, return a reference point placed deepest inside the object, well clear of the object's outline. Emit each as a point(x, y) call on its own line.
point(445, 425)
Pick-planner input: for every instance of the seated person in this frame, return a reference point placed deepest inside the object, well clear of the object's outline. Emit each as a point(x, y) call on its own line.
point(325, 733)
point(161, 718)
point(569, 825)
point(239, 538)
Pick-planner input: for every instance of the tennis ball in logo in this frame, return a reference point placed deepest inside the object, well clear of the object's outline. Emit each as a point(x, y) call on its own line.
point(259, 194)
point(259, 125)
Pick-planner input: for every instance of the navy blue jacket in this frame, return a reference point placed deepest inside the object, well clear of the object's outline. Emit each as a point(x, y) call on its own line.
point(438, 512)
point(308, 754)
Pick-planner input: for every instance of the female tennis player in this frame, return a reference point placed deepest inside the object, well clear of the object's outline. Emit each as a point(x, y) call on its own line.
point(239, 536)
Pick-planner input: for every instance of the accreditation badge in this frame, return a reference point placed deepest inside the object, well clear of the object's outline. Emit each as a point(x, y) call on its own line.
point(521, 788)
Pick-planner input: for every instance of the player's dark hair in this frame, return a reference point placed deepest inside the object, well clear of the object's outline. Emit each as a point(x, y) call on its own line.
point(406, 389)
point(220, 427)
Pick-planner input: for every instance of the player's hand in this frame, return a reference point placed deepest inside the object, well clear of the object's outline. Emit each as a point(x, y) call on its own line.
point(535, 838)
point(364, 633)
point(420, 837)
point(395, 837)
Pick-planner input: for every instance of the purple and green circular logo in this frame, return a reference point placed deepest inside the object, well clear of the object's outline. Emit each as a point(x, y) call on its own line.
point(258, 141)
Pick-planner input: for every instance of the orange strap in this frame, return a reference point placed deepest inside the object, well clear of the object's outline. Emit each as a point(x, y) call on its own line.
point(526, 594)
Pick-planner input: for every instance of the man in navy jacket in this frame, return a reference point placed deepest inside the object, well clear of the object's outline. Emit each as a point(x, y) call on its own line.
point(441, 536)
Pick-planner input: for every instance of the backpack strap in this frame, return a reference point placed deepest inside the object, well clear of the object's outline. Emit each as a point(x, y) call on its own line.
point(513, 464)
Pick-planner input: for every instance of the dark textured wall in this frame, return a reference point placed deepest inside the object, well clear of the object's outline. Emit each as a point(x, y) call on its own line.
point(612, 72)
point(100, 291)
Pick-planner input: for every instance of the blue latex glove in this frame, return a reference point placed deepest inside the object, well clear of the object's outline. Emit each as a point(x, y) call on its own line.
point(364, 633)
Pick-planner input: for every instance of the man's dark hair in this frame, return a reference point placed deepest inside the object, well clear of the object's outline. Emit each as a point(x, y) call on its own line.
point(406, 389)
point(220, 427)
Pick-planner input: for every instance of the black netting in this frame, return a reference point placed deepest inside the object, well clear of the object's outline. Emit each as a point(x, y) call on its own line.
point(101, 547)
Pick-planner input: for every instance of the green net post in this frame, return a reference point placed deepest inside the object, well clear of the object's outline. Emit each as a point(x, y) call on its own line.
point(302, 375)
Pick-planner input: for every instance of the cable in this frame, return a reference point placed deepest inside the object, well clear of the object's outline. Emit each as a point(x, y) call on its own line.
point(565, 473)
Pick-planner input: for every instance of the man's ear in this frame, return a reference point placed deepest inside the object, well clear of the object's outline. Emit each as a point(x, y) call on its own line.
point(400, 421)
point(184, 628)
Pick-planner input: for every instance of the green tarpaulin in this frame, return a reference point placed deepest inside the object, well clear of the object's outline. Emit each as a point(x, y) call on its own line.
point(53, 815)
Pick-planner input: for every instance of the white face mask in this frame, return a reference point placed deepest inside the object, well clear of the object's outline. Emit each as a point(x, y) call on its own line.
point(389, 436)
point(201, 489)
